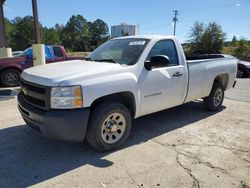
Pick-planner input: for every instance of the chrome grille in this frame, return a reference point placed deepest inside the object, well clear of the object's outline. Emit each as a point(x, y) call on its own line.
point(35, 94)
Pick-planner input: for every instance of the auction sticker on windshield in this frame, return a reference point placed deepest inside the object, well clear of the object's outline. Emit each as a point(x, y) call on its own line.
point(137, 43)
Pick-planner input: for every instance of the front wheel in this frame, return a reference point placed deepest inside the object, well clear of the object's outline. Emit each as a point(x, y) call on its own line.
point(109, 126)
point(214, 101)
point(10, 77)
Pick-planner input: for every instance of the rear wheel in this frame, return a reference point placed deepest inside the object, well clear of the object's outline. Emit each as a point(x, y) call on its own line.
point(10, 77)
point(109, 126)
point(214, 101)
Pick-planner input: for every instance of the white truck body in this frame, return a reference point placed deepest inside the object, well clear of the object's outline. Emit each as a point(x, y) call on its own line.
point(153, 91)
point(98, 97)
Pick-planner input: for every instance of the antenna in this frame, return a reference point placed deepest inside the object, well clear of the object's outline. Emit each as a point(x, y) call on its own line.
point(175, 19)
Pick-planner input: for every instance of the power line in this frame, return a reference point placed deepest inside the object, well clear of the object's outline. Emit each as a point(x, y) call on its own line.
point(175, 19)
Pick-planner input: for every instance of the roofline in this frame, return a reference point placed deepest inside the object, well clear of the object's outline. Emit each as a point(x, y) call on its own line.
point(150, 37)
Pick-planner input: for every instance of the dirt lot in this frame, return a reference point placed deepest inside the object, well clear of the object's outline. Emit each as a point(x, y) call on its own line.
point(180, 147)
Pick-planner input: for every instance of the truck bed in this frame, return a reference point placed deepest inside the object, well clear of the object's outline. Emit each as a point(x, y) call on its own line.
point(203, 71)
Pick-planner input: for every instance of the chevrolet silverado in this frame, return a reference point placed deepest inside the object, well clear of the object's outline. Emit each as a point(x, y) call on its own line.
point(123, 79)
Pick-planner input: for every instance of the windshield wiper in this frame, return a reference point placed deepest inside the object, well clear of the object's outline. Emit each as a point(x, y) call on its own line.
point(106, 60)
point(88, 59)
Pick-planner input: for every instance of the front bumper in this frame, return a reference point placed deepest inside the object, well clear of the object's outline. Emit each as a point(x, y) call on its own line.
point(67, 125)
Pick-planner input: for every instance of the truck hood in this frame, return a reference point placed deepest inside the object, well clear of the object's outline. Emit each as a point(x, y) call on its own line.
point(55, 73)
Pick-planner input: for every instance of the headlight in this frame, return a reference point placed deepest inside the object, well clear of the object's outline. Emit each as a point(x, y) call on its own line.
point(66, 97)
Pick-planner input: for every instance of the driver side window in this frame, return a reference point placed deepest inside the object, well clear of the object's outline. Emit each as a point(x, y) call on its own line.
point(167, 48)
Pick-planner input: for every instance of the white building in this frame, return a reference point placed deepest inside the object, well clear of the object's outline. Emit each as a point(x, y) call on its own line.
point(124, 30)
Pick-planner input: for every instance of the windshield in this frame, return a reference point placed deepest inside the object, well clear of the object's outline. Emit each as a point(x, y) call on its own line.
point(122, 51)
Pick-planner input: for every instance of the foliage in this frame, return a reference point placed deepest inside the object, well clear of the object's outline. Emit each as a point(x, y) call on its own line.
point(234, 40)
point(22, 34)
point(77, 35)
point(98, 29)
point(206, 39)
point(50, 36)
point(238, 48)
point(8, 29)
point(195, 41)
point(242, 49)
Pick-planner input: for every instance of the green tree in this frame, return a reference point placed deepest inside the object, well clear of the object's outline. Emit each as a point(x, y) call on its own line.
point(22, 35)
point(75, 35)
point(234, 40)
point(99, 32)
point(206, 39)
point(242, 49)
point(197, 31)
point(9, 27)
point(50, 36)
point(213, 38)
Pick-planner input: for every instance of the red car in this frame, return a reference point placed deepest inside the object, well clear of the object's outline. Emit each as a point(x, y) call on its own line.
point(11, 68)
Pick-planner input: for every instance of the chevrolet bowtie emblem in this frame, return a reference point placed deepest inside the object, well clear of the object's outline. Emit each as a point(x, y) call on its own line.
point(25, 91)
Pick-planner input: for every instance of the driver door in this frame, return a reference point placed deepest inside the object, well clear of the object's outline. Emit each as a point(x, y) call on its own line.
point(164, 87)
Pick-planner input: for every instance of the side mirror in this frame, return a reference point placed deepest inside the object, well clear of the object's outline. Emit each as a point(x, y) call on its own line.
point(157, 62)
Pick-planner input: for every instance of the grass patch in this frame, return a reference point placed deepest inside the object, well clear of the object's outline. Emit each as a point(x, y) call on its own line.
point(77, 54)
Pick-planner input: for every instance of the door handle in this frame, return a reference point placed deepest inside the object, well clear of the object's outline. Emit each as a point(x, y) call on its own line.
point(177, 74)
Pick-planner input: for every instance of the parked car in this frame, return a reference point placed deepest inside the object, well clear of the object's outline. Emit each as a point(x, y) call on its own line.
point(243, 69)
point(16, 53)
point(11, 68)
point(123, 79)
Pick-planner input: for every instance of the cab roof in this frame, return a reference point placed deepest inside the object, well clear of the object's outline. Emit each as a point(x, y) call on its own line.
point(150, 37)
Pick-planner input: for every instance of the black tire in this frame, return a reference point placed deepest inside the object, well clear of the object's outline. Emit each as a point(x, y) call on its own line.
point(10, 77)
point(241, 73)
point(99, 132)
point(214, 101)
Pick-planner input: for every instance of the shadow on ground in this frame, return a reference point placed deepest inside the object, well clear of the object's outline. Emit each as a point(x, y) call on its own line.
point(8, 93)
point(26, 158)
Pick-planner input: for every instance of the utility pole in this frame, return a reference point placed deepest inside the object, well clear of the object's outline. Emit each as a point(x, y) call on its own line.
point(175, 19)
point(2, 26)
point(38, 48)
point(36, 22)
point(4, 50)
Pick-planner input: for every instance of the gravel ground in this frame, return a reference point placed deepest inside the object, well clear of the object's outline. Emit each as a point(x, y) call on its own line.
point(181, 147)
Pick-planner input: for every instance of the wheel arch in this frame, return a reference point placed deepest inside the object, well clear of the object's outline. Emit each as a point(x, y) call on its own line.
point(223, 80)
point(7, 68)
point(126, 98)
point(243, 69)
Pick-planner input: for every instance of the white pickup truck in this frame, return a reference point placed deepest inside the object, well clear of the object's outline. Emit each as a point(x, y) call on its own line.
point(121, 80)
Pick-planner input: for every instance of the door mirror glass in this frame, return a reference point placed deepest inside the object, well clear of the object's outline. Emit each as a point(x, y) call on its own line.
point(157, 62)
